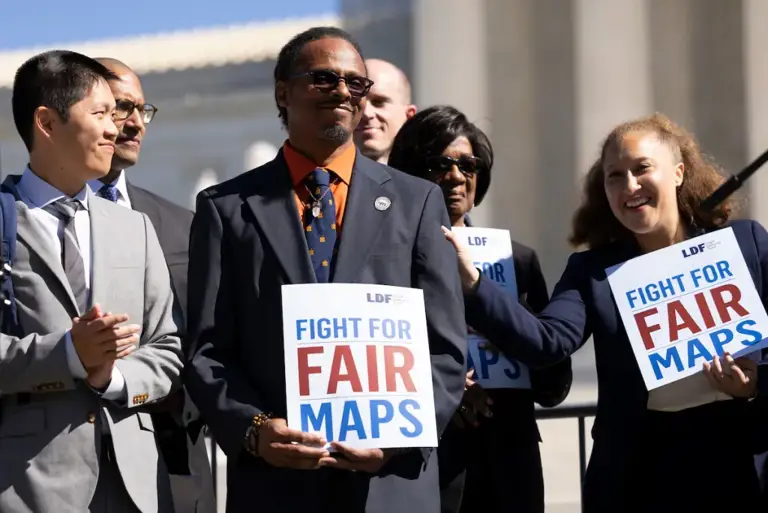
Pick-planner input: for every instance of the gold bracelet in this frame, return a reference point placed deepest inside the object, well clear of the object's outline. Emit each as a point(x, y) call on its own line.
point(252, 434)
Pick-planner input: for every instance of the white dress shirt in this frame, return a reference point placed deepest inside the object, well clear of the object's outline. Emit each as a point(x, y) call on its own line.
point(36, 194)
point(122, 189)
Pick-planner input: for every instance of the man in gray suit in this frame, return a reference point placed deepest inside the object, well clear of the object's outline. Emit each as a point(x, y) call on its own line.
point(73, 433)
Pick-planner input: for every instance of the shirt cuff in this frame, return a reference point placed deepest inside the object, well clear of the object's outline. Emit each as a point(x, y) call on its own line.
point(116, 391)
point(73, 361)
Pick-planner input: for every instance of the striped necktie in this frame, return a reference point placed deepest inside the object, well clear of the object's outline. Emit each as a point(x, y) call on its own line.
point(71, 259)
point(320, 223)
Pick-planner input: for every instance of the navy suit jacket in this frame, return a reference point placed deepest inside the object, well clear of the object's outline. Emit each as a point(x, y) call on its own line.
point(247, 241)
point(581, 306)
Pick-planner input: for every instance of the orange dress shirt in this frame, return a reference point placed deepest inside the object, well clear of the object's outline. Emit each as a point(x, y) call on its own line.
point(300, 166)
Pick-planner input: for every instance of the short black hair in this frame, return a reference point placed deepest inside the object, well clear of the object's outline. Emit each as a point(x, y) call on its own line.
point(57, 79)
point(429, 133)
point(289, 54)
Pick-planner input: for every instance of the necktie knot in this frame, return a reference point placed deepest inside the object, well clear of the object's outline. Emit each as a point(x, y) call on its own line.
point(109, 192)
point(320, 177)
point(64, 208)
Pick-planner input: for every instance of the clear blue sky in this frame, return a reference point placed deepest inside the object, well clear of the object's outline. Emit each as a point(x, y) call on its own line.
point(25, 23)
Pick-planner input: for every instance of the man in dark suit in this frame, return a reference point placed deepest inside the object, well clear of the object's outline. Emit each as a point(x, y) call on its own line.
point(182, 447)
point(254, 233)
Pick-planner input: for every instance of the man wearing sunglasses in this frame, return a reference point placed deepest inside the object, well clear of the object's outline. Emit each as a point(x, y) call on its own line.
point(320, 212)
point(176, 421)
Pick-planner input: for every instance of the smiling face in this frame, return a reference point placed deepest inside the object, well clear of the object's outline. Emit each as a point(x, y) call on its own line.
point(315, 108)
point(641, 177)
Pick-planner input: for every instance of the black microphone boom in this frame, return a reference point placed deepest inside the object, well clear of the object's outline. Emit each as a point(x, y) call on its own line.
point(733, 184)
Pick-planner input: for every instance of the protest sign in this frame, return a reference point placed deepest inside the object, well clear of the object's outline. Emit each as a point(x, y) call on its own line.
point(684, 304)
point(491, 251)
point(357, 364)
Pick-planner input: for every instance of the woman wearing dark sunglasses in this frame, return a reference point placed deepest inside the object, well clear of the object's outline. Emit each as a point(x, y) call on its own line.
point(489, 455)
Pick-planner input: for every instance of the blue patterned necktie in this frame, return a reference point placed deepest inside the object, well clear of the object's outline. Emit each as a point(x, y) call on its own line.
point(109, 191)
point(320, 223)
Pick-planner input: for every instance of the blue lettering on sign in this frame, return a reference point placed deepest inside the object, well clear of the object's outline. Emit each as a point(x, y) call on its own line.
point(320, 418)
point(324, 418)
point(670, 357)
point(405, 412)
point(494, 271)
point(693, 250)
point(477, 241)
point(378, 298)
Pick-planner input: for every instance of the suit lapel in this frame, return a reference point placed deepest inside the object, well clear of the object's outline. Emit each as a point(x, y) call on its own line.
point(105, 246)
point(362, 220)
point(274, 205)
point(29, 231)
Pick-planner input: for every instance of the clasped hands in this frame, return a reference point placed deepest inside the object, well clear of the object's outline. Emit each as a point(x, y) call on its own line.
point(100, 338)
point(281, 446)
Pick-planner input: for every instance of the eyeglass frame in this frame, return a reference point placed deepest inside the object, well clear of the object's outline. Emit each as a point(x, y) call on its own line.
point(143, 108)
point(337, 78)
point(478, 165)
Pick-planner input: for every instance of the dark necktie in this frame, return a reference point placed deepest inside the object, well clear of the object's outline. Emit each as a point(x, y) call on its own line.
point(71, 259)
point(109, 191)
point(320, 223)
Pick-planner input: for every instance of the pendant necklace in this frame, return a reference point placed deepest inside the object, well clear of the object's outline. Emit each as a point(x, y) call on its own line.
point(317, 205)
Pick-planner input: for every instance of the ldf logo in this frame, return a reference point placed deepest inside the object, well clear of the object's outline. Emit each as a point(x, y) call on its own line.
point(693, 250)
point(379, 298)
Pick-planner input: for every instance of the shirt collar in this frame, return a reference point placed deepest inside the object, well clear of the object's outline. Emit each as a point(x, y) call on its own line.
point(119, 183)
point(40, 193)
point(300, 166)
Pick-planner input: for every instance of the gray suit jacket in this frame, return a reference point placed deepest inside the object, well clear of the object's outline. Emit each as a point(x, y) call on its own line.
point(247, 241)
point(50, 426)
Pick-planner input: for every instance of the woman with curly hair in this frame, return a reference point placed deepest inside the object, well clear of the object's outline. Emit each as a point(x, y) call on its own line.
point(687, 446)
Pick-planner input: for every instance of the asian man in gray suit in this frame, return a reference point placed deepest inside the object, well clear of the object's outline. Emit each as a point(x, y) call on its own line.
point(74, 435)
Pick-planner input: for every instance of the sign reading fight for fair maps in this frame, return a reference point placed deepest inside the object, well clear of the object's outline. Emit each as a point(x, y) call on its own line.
point(491, 251)
point(686, 303)
point(357, 364)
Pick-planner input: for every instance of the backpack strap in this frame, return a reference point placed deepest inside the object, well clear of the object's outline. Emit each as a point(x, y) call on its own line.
point(8, 320)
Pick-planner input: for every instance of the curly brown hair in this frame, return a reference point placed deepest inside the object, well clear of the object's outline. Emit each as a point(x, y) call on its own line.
point(594, 224)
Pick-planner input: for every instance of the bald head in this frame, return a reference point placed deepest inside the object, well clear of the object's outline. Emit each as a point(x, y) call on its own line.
point(388, 107)
point(115, 66)
point(390, 78)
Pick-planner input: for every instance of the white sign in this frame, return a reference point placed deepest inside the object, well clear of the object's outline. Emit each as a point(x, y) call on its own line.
point(357, 364)
point(686, 303)
point(491, 251)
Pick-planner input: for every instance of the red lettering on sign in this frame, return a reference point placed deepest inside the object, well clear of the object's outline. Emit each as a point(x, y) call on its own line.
point(304, 369)
point(391, 369)
point(643, 327)
point(675, 311)
point(343, 354)
point(722, 306)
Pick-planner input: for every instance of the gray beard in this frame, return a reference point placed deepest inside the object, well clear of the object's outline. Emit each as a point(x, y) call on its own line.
point(335, 134)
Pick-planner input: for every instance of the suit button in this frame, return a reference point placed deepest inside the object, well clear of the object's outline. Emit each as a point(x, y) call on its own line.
point(91, 418)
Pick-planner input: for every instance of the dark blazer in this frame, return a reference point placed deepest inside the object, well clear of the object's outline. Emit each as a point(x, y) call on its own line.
point(500, 458)
point(247, 241)
point(636, 453)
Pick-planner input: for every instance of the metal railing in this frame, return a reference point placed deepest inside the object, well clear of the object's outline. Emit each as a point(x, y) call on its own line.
point(579, 411)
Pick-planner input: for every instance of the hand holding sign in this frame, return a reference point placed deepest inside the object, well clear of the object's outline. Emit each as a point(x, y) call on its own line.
point(737, 378)
point(277, 447)
point(467, 271)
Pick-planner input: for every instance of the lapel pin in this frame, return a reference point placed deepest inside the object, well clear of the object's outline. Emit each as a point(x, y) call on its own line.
point(382, 203)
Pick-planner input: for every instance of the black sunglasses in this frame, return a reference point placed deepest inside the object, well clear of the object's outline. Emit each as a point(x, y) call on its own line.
point(468, 165)
point(124, 109)
point(327, 80)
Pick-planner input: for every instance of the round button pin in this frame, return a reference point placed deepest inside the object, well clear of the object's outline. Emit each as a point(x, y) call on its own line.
point(382, 203)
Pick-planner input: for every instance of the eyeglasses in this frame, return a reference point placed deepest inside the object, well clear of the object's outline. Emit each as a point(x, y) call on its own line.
point(468, 165)
point(124, 109)
point(327, 80)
